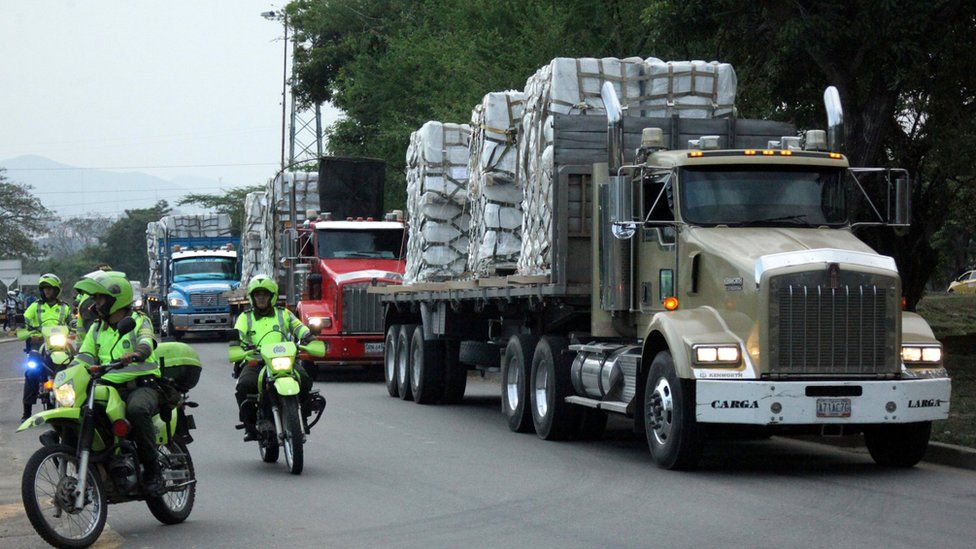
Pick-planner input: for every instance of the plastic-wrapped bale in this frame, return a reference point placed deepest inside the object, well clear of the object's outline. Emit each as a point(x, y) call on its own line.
point(198, 225)
point(251, 235)
point(437, 180)
point(277, 213)
point(154, 232)
point(180, 364)
point(690, 89)
point(494, 196)
point(564, 86)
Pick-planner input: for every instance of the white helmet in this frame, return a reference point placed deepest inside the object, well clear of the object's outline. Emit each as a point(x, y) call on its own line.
point(12, 293)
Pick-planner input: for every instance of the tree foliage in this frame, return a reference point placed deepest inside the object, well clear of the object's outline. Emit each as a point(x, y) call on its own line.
point(904, 70)
point(229, 202)
point(124, 245)
point(22, 218)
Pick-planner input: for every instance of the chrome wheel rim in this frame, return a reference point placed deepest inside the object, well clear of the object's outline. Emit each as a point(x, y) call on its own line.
point(513, 383)
point(661, 413)
point(542, 390)
point(390, 358)
point(175, 501)
point(418, 358)
point(54, 485)
point(402, 360)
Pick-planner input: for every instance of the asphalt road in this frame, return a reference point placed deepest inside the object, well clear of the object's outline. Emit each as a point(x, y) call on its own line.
point(380, 472)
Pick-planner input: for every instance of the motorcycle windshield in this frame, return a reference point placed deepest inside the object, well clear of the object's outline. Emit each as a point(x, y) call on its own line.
point(270, 351)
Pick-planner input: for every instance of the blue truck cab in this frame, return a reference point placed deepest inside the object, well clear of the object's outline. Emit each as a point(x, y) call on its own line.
point(197, 273)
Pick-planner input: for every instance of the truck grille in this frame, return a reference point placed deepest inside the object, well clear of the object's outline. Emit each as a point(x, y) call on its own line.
point(844, 328)
point(207, 300)
point(362, 312)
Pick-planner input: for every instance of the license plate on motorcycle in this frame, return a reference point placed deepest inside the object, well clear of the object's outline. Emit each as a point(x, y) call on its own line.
point(833, 407)
point(373, 348)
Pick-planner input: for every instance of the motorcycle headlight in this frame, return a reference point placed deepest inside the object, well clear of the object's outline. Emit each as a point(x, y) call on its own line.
point(57, 340)
point(280, 363)
point(65, 395)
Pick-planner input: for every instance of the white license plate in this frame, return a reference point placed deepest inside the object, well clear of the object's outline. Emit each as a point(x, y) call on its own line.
point(833, 407)
point(373, 348)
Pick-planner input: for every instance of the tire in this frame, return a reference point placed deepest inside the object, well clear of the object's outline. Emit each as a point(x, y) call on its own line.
point(456, 374)
point(669, 417)
point(403, 361)
point(269, 449)
point(516, 364)
point(549, 385)
point(592, 424)
point(898, 445)
point(479, 353)
point(45, 463)
point(427, 359)
point(291, 420)
point(175, 507)
point(390, 358)
point(177, 335)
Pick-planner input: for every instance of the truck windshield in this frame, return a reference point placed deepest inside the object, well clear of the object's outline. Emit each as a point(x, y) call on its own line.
point(806, 196)
point(359, 243)
point(203, 268)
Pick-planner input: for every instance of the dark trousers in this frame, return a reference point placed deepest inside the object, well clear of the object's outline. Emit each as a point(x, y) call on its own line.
point(247, 384)
point(141, 404)
point(32, 381)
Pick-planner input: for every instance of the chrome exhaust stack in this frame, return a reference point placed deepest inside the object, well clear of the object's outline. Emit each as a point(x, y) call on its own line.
point(835, 119)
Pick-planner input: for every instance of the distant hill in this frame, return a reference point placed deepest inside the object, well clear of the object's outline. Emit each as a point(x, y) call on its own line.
point(73, 191)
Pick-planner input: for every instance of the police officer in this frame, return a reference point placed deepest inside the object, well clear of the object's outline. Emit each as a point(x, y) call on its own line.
point(266, 323)
point(47, 311)
point(111, 293)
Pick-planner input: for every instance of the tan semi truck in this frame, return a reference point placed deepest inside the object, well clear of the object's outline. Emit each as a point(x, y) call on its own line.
point(711, 285)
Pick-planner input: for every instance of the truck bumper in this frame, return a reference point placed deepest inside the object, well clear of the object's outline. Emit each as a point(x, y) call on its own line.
point(200, 322)
point(364, 349)
point(821, 402)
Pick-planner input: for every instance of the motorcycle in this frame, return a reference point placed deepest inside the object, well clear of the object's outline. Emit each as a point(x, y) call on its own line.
point(87, 462)
point(281, 420)
point(54, 354)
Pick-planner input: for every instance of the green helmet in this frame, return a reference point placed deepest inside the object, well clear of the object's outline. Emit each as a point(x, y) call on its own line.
point(51, 280)
point(262, 282)
point(110, 283)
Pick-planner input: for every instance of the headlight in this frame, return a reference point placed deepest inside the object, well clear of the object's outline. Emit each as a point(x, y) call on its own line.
point(65, 395)
point(57, 340)
point(177, 302)
point(137, 303)
point(716, 355)
point(921, 355)
point(281, 363)
point(320, 322)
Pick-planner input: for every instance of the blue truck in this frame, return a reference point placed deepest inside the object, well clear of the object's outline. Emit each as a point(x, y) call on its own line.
point(190, 276)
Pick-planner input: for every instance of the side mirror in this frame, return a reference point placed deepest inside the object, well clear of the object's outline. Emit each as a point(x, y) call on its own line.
point(126, 325)
point(903, 201)
point(23, 334)
point(315, 348)
point(236, 353)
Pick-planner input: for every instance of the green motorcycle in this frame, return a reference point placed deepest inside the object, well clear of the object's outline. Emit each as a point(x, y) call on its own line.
point(54, 354)
point(86, 462)
point(282, 422)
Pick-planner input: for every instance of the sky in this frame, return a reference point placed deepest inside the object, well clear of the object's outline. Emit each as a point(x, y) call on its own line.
point(148, 86)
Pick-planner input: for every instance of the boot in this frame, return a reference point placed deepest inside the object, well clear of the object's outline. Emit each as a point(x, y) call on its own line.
point(27, 412)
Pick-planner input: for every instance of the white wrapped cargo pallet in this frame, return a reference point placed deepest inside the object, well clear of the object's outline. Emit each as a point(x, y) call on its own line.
point(197, 225)
point(251, 235)
point(651, 88)
point(277, 213)
point(494, 197)
point(437, 180)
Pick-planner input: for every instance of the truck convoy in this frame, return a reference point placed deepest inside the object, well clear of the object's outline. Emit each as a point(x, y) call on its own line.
point(707, 282)
point(192, 265)
point(340, 244)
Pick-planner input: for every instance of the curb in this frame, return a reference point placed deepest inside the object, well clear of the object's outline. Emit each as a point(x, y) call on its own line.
point(939, 453)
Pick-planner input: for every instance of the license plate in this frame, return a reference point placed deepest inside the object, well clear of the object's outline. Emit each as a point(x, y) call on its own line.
point(833, 407)
point(374, 348)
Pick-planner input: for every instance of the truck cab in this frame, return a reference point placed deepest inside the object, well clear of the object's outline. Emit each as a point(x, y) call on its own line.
point(197, 281)
point(344, 259)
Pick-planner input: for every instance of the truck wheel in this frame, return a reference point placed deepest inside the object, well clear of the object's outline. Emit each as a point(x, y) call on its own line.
point(177, 335)
point(898, 445)
point(390, 360)
point(669, 417)
point(549, 385)
point(479, 353)
point(515, 382)
point(403, 361)
point(427, 359)
point(456, 374)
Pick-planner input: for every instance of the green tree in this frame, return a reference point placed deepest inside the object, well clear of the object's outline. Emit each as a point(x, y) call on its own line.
point(124, 244)
point(229, 202)
point(22, 217)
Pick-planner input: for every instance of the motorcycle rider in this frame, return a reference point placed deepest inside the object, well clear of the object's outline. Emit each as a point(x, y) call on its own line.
point(85, 307)
point(136, 382)
point(254, 327)
point(49, 310)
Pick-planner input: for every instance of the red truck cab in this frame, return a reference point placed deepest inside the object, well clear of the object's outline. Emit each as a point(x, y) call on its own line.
point(344, 259)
